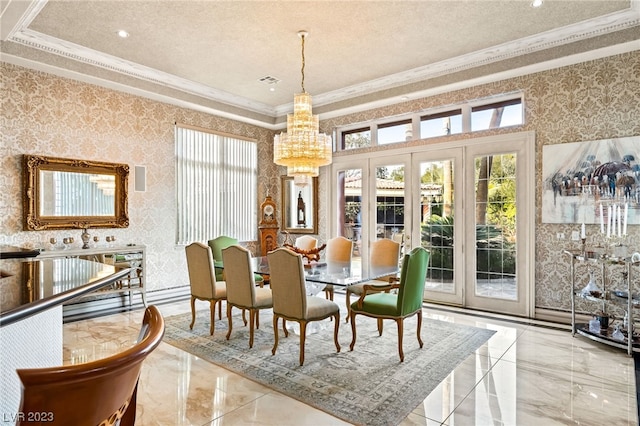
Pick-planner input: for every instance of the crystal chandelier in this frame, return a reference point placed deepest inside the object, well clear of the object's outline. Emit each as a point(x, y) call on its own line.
point(303, 149)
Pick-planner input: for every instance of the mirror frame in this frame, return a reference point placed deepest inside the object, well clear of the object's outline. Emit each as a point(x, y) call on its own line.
point(312, 205)
point(34, 221)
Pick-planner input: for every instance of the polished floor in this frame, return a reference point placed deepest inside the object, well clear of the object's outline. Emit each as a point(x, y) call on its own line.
point(526, 374)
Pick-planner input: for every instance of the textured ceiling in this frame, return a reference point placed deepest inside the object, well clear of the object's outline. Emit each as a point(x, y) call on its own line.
point(213, 53)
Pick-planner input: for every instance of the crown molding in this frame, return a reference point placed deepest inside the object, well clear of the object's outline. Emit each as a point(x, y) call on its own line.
point(602, 25)
point(20, 34)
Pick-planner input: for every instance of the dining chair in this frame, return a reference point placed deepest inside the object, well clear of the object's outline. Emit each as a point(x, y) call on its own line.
point(100, 392)
point(217, 245)
point(202, 280)
point(306, 242)
point(241, 288)
point(383, 256)
point(396, 306)
point(290, 300)
point(338, 255)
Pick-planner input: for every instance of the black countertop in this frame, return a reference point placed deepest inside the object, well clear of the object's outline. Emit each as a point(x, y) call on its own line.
point(12, 252)
point(30, 286)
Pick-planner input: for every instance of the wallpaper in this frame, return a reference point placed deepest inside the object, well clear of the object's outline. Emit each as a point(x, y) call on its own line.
point(49, 115)
point(593, 100)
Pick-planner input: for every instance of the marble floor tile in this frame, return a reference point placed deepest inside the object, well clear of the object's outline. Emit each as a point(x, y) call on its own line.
point(523, 375)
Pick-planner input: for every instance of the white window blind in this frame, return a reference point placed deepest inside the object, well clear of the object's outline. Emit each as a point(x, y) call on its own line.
point(216, 181)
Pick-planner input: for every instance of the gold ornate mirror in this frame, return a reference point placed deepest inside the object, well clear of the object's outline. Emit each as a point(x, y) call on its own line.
point(299, 206)
point(63, 193)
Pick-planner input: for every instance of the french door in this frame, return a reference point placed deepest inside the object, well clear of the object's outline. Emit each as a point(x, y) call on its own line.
point(471, 204)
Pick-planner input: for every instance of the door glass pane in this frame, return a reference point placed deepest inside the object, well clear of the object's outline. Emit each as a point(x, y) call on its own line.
point(350, 207)
point(495, 219)
point(389, 201)
point(436, 218)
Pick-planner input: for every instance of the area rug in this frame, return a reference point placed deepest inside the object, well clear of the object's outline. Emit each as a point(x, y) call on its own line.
point(366, 386)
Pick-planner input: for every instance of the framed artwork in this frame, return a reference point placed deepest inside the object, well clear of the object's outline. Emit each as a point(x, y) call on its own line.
point(594, 182)
point(299, 206)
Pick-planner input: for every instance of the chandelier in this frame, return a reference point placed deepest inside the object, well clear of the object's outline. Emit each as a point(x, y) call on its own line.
point(303, 149)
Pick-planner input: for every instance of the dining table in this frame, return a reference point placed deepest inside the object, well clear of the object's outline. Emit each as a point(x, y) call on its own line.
point(320, 274)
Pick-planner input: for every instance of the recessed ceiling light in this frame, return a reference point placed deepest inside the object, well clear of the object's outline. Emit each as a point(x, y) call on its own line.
point(272, 89)
point(536, 3)
point(122, 33)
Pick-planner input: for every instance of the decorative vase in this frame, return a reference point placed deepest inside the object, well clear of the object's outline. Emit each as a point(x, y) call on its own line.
point(591, 288)
point(85, 238)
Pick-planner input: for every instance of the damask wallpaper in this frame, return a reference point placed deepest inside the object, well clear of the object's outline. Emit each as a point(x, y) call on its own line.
point(49, 115)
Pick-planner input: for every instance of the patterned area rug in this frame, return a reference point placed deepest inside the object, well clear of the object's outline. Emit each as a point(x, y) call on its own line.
point(369, 386)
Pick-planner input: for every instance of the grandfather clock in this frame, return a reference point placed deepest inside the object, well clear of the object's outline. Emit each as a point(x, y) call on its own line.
point(268, 226)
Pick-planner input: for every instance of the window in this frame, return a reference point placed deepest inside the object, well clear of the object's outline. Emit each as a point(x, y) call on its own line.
point(356, 138)
point(500, 114)
point(441, 124)
point(216, 181)
point(507, 110)
point(398, 131)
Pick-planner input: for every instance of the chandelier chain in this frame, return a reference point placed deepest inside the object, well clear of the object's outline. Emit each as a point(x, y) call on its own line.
point(302, 69)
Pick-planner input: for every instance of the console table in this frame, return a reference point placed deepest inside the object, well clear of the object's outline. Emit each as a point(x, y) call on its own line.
point(128, 256)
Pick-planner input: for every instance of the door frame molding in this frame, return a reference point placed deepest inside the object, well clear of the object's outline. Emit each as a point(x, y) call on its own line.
point(526, 219)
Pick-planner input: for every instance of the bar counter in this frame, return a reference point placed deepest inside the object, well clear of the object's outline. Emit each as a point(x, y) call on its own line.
point(32, 293)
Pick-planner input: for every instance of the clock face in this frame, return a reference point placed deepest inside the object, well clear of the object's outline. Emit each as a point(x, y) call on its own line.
point(267, 212)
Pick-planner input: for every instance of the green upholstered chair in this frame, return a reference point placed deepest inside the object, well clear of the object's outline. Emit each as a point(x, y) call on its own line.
point(396, 306)
point(220, 243)
point(384, 254)
point(241, 288)
point(202, 280)
point(290, 300)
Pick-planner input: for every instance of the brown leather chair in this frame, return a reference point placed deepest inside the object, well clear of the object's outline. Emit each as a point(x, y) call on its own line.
point(100, 392)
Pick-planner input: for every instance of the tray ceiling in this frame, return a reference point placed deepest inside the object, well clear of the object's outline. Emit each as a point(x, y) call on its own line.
point(212, 55)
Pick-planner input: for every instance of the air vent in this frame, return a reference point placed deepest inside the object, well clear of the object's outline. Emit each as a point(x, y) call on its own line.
point(269, 80)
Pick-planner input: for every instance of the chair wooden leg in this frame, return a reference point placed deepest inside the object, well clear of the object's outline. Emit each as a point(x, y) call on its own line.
point(379, 326)
point(212, 310)
point(335, 330)
point(348, 297)
point(129, 416)
point(252, 320)
point(284, 327)
point(229, 319)
point(419, 328)
point(257, 318)
point(193, 312)
point(220, 309)
point(329, 294)
point(244, 316)
point(352, 318)
point(303, 336)
point(275, 334)
point(400, 323)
